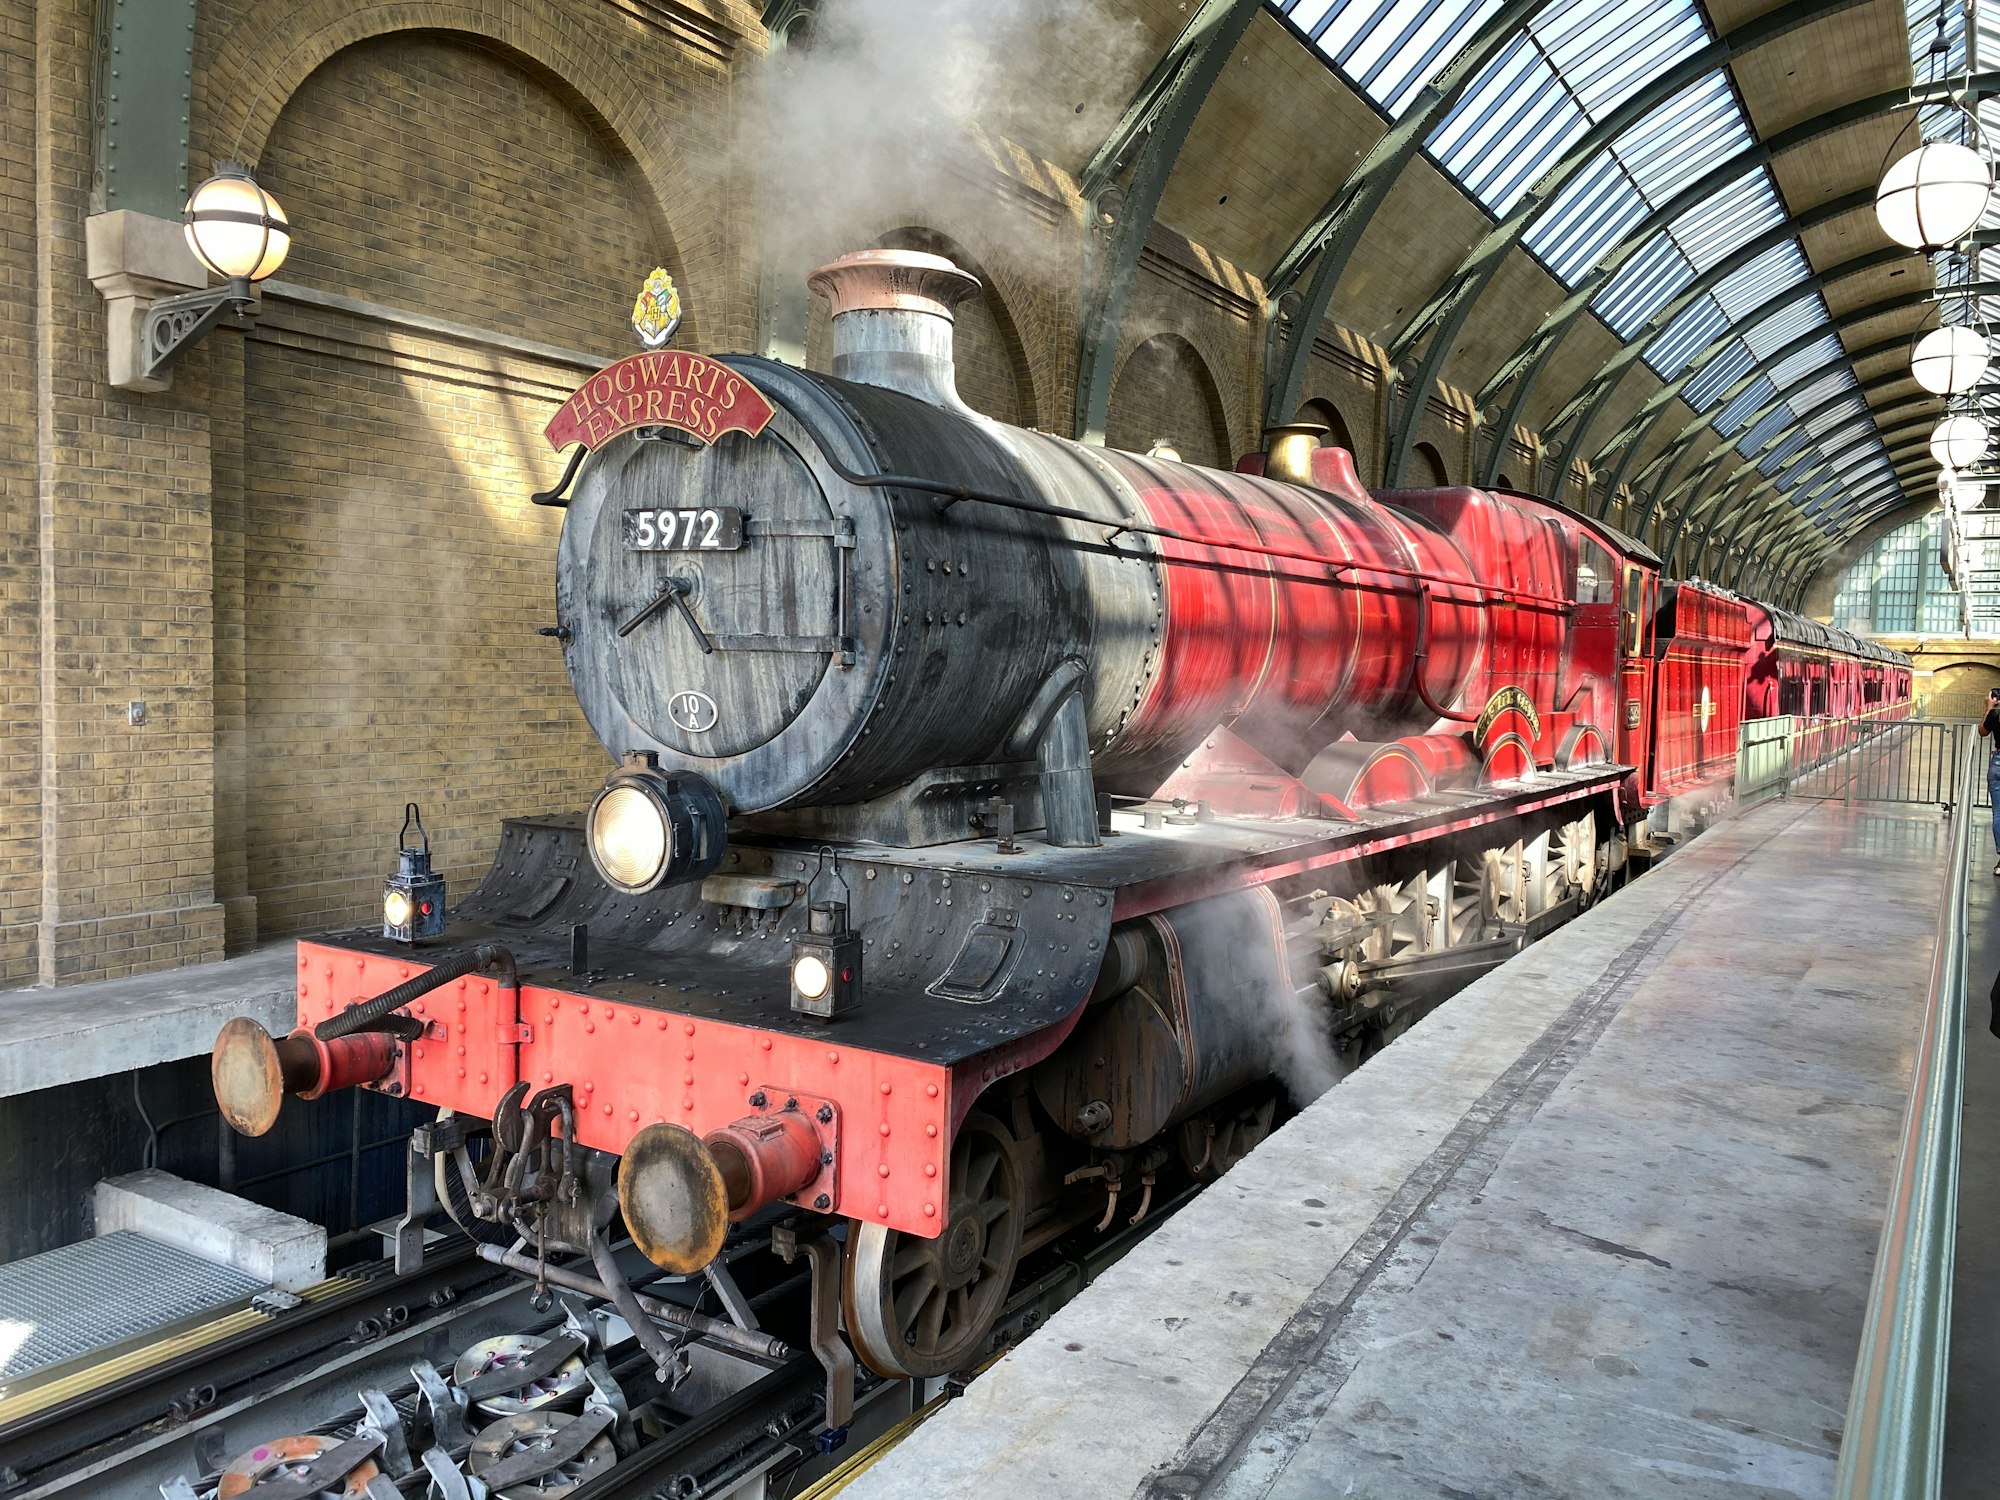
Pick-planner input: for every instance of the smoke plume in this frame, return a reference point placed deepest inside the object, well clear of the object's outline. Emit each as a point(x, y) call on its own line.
point(891, 112)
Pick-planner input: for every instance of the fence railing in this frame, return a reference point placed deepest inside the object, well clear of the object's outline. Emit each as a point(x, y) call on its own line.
point(1893, 1447)
point(1875, 757)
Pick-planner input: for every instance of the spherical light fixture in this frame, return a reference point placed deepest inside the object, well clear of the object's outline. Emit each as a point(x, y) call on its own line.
point(1959, 442)
point(1934, 196)
point(1949, 361)
point(235, 228)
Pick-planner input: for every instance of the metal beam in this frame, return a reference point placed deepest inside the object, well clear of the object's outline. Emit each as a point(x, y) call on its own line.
point(1147, 142)
point(143, 84)
point(1444, 315)
point(1336, 230)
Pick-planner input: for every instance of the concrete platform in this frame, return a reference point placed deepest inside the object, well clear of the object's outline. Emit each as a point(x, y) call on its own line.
point(1601, 1227)
point(50, 1037)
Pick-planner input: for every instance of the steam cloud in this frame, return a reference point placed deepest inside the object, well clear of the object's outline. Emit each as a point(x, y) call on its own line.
point(887, 115)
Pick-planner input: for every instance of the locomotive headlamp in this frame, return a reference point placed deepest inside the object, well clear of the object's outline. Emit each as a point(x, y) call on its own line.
point(413, 897)
point(650, 828)
point(811, 977)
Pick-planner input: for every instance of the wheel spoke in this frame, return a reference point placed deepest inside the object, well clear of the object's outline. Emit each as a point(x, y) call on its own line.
point(979, 1174)
point(930, 1321)
point(910, 1299)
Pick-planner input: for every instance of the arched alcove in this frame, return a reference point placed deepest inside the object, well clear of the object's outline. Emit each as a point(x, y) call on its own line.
point(1324, 412)
point(1429, 469)
point(393, 571)
point(1165, 392)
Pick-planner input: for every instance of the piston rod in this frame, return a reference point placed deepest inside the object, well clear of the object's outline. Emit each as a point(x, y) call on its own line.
point(760, 1344)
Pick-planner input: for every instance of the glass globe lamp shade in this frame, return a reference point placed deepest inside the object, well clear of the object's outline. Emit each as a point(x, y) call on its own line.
point(1934, 196)
point(236, 228)
point(1959, 442)
point(1949, 361)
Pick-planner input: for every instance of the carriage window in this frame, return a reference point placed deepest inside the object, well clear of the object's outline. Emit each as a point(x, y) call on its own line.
point(1632, 613)
point(1819, 698)
point(1595, 574)
point(1791, 696)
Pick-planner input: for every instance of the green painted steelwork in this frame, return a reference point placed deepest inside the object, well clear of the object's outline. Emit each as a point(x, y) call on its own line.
point(1444, 315)
point(1151, 134)
point(143, 85)
point(1335, 231)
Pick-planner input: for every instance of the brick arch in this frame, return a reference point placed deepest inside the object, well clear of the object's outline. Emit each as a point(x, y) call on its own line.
point(1239, 421)
point(264, 61)
point(1430, 465)
point(1148, 373)
point(1321, 409)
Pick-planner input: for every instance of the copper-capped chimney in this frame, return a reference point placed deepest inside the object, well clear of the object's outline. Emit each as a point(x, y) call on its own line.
point(892, 321)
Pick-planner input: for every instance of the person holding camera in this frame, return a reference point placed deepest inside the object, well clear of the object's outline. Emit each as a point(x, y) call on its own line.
point(1989, 729)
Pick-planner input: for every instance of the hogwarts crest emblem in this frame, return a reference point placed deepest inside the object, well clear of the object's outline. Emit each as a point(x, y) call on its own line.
point(657, 313)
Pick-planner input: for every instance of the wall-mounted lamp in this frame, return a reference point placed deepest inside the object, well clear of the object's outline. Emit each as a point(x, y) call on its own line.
point(237, 230)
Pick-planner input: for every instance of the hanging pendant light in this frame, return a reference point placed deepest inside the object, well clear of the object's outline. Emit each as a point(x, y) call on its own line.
point(1949, 361)
point(1959, 442)
point(1934, 196)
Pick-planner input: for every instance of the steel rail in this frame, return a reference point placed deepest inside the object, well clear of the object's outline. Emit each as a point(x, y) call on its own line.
point(1893, 1445)
point(39, 1443)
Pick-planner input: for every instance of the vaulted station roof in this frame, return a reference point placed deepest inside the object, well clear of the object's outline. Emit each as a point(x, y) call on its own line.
point(1642, 229)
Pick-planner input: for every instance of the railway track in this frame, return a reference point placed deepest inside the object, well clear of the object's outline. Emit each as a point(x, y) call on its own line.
point(466, 1381)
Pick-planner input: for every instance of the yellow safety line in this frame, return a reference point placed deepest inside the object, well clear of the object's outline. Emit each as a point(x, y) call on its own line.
point(869, 1454)
point(17, 1402)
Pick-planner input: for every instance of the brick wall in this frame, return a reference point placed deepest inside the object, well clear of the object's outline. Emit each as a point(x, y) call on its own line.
point(393, 570)
point(124, 602)
point(20, 690)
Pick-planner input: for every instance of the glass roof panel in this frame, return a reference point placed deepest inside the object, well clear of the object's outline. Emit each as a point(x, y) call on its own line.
point(1753, 441)
point(1754, 397)
point(1644, 284)
point(1718, 375)
point(1697, 326)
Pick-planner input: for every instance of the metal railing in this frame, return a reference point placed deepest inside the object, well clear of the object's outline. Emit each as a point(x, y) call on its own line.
point(1882, 756)
point(1764, 758)
point(1893, 1447)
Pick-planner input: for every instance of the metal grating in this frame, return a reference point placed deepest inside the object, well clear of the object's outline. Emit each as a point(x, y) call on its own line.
point(67, 1303)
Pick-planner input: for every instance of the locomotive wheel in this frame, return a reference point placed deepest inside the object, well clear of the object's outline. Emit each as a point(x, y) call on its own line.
point(1208, 1156)
point(919, 1307)
point(1573, 857)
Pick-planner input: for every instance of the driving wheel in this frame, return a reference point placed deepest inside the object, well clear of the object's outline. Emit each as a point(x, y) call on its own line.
point(923, 1307)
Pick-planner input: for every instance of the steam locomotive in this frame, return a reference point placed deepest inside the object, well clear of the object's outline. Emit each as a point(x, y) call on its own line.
point(996, 818)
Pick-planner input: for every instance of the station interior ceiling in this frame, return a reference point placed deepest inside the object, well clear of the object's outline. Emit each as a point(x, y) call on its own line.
point(1604, 220)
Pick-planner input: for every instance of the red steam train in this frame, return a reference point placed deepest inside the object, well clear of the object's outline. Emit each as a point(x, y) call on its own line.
point(997, 816)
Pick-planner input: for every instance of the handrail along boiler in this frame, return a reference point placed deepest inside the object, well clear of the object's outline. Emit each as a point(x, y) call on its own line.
point(996, 817)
